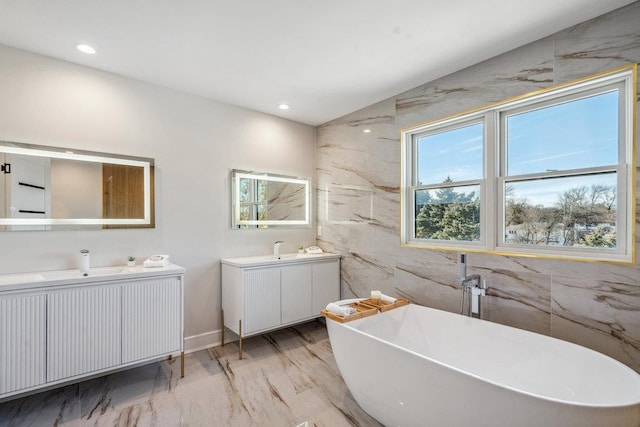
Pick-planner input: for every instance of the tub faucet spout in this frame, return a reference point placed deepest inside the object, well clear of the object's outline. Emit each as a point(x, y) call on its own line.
point(472, 281)
point(472, 286)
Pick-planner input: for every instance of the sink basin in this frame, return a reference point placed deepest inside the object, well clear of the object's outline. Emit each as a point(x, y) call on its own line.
point(97, 275)
point(14, 279)
point(93, 272)
point(272, 260)
point(282, 257)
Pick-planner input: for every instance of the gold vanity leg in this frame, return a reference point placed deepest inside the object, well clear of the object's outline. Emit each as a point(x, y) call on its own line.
point(182, 364)
point(240, 342)
point(222, 320)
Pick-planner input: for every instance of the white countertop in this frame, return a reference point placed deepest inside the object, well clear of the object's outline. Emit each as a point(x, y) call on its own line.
point(264, 260)
point(34, 280)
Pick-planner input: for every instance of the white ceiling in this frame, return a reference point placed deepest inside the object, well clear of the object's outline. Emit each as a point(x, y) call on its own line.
point(325, 58)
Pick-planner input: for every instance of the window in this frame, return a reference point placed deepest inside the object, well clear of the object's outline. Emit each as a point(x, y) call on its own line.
point(447, 199)
point(547, 174)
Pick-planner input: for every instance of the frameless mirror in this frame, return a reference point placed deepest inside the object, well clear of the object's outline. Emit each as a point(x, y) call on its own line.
point(262, 200)
point(48, 188)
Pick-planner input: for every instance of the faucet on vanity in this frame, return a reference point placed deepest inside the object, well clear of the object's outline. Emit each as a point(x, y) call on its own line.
point(276, 249)
point(473, 286)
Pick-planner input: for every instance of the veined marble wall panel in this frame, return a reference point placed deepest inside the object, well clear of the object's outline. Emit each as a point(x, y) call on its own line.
point(523, 70)
point(426, 282)
point(521, 300)
point(594, 304)
point(362, 273)
point(603, 43)
point(600, 314)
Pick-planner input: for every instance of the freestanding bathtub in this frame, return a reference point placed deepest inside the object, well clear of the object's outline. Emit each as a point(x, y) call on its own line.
point(417, 366)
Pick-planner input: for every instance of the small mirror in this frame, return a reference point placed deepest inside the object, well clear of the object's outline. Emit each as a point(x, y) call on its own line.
point(262, 200)
point(47, 188)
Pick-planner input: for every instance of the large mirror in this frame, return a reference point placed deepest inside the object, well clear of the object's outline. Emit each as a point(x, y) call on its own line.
point(48, 188)
point(263, 200)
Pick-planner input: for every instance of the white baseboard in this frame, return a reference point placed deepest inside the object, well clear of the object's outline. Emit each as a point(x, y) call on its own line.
point(207, 340)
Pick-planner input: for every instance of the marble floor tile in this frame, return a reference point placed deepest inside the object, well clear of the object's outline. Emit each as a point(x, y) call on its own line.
point(285, 378)
point(57, 407)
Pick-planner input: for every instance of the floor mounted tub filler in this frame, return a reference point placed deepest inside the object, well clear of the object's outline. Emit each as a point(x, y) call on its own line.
point(418, 366)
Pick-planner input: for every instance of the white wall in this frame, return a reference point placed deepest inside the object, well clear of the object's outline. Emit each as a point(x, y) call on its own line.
point(195, 143)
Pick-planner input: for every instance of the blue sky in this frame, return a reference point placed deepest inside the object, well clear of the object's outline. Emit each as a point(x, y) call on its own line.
point(578, 134)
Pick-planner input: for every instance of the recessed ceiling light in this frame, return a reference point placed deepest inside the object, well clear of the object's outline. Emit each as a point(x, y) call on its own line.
point(85, 48)
point(367, 131)
point(284, 106)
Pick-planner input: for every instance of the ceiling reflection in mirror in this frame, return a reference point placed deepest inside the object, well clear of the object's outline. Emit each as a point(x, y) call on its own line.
point(49, 188)
point(263, 200)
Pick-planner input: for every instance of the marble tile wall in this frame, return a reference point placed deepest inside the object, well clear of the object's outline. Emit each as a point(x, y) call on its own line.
point(358, 191)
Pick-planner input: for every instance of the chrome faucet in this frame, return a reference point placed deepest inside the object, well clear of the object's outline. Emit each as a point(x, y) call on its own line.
point(276, 249)
point(473, 286)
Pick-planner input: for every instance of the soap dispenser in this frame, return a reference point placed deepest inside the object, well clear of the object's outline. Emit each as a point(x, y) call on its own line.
point(84, 262)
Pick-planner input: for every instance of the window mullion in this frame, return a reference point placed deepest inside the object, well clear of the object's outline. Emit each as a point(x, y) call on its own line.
point(489, 200)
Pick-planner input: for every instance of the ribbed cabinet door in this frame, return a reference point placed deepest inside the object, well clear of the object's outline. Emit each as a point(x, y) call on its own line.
point(326, 284)
point(83, 331)
point(152, 316)
point(22, 342)
point(295, 286)
point(261, 294)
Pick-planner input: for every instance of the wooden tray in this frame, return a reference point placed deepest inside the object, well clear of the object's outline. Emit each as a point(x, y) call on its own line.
point(385, 306)
point(362, 310)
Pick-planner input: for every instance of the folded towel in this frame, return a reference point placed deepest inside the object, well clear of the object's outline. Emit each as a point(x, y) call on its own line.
point(339, 310)
point(387, 298)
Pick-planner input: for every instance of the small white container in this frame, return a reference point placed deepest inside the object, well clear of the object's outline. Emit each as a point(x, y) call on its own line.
point(85, 263)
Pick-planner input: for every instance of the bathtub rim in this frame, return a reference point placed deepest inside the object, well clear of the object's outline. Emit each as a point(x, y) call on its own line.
point(351, 325)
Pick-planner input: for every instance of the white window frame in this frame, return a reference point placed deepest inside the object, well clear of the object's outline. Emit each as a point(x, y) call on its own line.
point(412, 159)
point(492, 203)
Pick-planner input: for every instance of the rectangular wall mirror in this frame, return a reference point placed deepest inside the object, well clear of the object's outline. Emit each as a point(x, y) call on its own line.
point(49, 188)
point(263, 200)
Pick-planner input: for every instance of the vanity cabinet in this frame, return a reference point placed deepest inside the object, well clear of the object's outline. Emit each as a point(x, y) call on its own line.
point(55, 331)
point(260, 294)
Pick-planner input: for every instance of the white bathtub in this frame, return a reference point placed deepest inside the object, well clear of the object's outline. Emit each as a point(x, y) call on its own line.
point(417, 366)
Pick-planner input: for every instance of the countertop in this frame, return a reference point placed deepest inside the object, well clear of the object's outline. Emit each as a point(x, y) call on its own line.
point(35, 280)
point(267, 260)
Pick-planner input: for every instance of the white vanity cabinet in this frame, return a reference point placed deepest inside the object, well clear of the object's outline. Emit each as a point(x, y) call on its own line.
point(59, 327)
point(260, 294)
